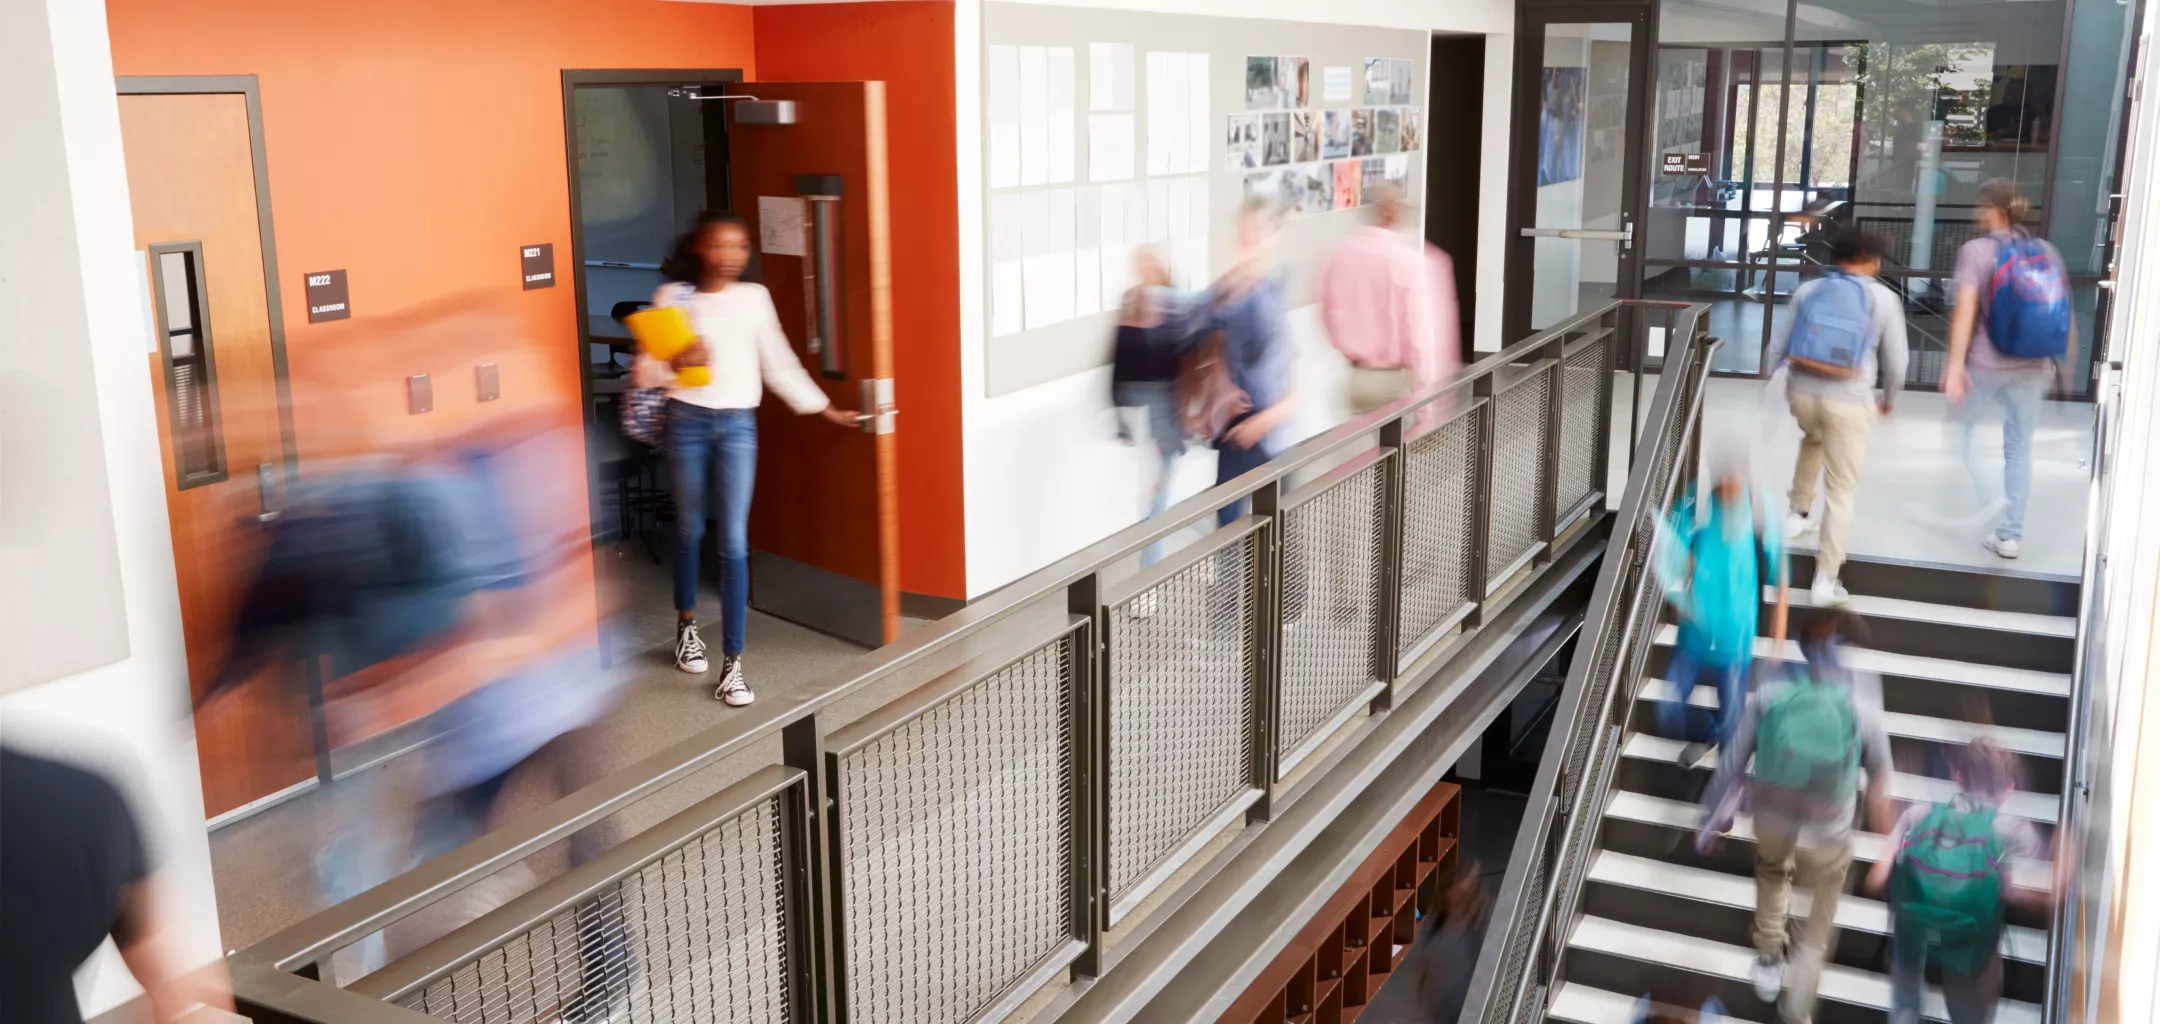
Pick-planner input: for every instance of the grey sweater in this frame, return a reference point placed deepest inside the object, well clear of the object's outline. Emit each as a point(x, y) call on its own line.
point(1886, 344)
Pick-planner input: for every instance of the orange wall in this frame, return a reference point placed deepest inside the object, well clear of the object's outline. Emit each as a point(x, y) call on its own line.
point(417, 144)
point(909, 45)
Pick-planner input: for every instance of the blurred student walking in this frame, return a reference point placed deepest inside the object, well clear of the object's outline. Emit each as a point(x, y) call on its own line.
point(1154, 335)
point(1713, 573)
point(1810, 737)
point(1845, 337)
point(1942, 870)
point(1388, 302)
point(2008, 332)
point(1246, 306)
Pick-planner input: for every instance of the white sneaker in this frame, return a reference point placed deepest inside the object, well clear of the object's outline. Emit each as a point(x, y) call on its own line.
point(2003, 548)
point(689, 648)
point(1827, 592)
point(1798, 525)
point(1769, 978)
point(733, 690)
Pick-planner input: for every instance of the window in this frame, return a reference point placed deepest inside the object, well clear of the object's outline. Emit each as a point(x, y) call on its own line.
point(190, 368)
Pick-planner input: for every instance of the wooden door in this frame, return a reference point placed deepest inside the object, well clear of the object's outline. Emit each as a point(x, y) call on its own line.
point(191, 180)
point(824, 530)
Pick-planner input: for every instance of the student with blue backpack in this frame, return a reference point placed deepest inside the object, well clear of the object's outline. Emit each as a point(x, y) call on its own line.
point(2009, 337)
point(1943, 872)
point(1844, 338)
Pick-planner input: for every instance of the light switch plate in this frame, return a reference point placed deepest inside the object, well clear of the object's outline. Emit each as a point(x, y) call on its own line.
point(488, 380)
point(420, 393)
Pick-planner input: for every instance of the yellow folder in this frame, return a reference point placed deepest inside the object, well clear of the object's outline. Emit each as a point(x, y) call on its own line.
point(663, 332)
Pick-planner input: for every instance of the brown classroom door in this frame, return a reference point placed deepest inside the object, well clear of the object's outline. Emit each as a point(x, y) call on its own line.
point(824, 532)
point(191, 179)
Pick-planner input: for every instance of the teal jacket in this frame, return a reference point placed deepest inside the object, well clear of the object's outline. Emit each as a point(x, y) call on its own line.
point(1713, 573)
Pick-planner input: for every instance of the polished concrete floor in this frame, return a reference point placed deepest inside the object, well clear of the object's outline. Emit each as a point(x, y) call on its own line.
point(264, 865)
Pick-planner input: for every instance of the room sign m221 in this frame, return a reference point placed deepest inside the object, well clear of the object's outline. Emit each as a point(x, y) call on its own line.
point(326, 297)
point(536, 263)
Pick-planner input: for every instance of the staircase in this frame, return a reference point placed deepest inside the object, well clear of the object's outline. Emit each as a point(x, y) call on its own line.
point(1961, 653)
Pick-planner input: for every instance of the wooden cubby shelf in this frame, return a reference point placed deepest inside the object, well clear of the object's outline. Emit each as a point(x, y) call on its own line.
point(1337, 963)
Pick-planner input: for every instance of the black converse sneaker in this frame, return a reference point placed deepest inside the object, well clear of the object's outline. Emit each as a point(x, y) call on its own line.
point(733, 690)
point(689, 648)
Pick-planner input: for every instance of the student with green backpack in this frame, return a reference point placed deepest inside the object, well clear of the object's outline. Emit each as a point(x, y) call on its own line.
point(1810, 737)
point(1943, 871)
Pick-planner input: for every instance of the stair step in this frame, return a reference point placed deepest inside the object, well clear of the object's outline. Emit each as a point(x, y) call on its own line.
point(1662, 950)
point(1914, 666)
point(1682, 816)
point(1855, 913)
point(1581, 1004)
point(1904, 788)
point(1964, 585)
point(2033, 742)
point(1951, 614)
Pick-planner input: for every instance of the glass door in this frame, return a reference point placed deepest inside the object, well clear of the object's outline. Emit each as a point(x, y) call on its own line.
point(1576, 170)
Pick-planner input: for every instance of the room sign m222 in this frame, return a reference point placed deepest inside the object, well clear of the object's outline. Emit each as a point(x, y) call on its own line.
point(326, 297)
point(536, 263)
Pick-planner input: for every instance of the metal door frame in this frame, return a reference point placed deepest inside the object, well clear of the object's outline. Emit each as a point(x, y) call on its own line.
point(250, 89)
point(1531, 17)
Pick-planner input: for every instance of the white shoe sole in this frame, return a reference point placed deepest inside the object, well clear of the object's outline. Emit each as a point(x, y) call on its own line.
point(729, 700)
point(696, 668)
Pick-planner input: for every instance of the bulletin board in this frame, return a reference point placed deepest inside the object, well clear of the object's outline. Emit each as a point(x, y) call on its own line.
point(1108, 130)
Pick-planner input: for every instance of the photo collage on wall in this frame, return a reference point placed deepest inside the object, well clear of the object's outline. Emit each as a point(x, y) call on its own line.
point(1314, 160)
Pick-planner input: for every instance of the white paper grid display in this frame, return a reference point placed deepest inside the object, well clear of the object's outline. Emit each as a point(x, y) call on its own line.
point(1034, 115)
point(1003, 98)
point(1062, 126)
point(1110, 147)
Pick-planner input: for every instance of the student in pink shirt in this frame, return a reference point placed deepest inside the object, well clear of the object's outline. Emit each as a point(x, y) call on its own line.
point(1388, 301)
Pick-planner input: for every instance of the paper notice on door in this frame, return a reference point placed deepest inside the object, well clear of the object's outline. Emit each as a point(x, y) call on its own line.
point(780, 226)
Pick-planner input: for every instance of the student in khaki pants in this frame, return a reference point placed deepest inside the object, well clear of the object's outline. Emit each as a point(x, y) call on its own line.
point(1836, 413)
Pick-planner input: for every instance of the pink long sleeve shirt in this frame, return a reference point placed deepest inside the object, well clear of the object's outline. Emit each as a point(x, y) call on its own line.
point(1387, 305)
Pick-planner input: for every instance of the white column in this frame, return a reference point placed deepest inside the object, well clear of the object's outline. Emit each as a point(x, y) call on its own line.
point(85, 547)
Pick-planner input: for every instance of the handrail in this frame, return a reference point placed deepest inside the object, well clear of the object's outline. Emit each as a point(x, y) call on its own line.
point(2063, 923)
point(1508, 964)
point(1078, 583)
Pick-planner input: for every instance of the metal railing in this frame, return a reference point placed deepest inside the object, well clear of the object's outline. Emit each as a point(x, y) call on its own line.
point(1083, 734)
point(1522, 951)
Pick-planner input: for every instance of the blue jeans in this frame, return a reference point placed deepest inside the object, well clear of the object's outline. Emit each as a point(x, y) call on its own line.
point(1157, 401)
point(712, 450)
point(1677, 720)
point(2020, 393)
point(1232, 462)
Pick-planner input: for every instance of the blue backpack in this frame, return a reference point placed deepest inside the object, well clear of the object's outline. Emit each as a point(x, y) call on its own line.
point(2029, 302)
point(1830, 333)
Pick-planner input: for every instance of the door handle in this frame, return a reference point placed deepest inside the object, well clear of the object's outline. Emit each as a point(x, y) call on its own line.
point(878, 412)
point(1625, 236)
point(266, 489)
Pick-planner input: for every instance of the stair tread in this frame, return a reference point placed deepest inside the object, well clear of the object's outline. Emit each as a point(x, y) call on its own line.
point(1914, 666)
point(1867, 846)
point(1957, 615)
point(1855, 913)
point(2023, 803)
point(1839, 983)
point(2037, 742)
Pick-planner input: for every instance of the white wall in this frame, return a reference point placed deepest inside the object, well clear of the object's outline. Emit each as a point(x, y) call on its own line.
point(130, 716)
point(1043, 474)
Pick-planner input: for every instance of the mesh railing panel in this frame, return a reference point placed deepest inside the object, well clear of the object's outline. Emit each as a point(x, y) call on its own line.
point(956, 838)
point(698, 934)
point(1331, 598)
point(1181, 709)
point(1518, 471)
point(1585, 380)
point(1439, 526)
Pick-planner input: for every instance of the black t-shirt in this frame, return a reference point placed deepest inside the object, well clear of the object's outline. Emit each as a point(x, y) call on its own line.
point(68, 845)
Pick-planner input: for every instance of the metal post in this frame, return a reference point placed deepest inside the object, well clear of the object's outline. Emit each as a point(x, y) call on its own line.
point(1267, 648)
point(1548, 510)
point(1091, 772)
point(1481, 490)
point(1388, 655)
point(802, 745)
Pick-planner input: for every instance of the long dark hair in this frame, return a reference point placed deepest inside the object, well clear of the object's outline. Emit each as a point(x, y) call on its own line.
point(685, 265)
